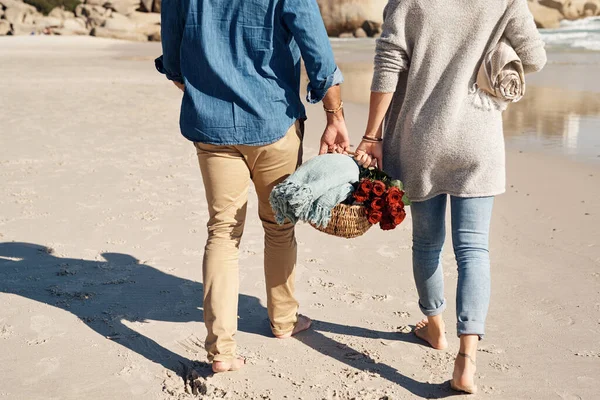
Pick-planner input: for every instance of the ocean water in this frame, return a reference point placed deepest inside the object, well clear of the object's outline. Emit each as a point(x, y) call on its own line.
point(583, 34)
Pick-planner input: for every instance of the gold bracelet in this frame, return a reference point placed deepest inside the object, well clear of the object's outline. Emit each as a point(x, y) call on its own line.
point(372, 139)
point(335, 110)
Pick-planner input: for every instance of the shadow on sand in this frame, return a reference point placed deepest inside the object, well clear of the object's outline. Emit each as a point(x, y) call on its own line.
point(103, 294)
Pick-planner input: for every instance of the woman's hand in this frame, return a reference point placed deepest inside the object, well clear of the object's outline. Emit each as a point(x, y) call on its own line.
point(369, 154)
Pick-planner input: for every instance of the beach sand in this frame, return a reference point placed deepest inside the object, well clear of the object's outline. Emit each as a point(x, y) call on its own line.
point(102, 227)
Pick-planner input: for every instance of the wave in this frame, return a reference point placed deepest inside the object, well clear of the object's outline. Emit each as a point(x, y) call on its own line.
point(580, 34)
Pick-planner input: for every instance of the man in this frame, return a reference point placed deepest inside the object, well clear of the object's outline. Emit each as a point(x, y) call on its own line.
point(238, 63)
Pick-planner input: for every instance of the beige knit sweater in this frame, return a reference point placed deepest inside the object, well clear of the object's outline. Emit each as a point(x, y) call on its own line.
point(440, 134)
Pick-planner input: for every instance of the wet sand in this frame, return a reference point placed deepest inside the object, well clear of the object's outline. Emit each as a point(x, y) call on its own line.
point(102, 225)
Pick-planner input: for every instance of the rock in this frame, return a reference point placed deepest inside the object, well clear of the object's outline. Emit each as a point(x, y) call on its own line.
point(26, 8)
point(4, 27)
point(24, 29)
point(346, 35)
point(342, 16)
point(48, 22)
point(96, 2)
point(545, 17)
point(119, 22)
point(575, 9)
point(149, 30)
point(142, 18)
point(147, 5)
point(94, 15)
point(69, 32)
point(30, 18)
point(59, 12)
point(76, 25)
point(156, 6)
point(360, 33)
point(124, 7)
point(572, 9)
point(372, 28)
point(122, 35)
point(155, 37)
point(14, 15)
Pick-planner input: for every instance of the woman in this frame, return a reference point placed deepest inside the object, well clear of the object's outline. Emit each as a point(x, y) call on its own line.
point(442, 143)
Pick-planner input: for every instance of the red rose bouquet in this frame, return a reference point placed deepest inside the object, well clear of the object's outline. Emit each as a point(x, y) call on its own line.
point(383, 198)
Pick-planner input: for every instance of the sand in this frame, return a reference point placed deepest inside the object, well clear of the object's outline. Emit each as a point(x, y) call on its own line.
point(102, 226)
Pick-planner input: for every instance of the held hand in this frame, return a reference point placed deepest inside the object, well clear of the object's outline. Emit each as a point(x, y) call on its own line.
point(335, 138)
point(179, 85)
point(369, 154)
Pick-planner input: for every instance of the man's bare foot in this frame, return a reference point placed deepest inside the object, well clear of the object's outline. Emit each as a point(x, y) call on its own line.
point(226, 366)
point(434, 335)
point(464, 374)
point(302, 324)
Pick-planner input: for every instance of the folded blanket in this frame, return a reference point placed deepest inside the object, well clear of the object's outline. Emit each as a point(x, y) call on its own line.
point(501, 73)
point(310, 193)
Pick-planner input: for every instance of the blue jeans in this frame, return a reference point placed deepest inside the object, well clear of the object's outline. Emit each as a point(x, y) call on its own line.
point(470, 236)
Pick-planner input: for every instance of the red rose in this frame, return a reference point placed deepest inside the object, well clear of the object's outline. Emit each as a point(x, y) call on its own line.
point(394, 196)
point(377, 204)
point(360, 196)
point(375, 217)
point(366, 186)
point(387, 223)
point(378, 188)
point(396, 209)
point(400, 217)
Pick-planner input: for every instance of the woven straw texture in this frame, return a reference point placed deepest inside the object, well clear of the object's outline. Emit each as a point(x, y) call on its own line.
point(347, 222)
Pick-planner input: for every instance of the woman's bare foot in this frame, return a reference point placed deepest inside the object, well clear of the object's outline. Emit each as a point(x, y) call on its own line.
point(226, 366)
point(464, 374)
point(432, 332)
point(302, 324)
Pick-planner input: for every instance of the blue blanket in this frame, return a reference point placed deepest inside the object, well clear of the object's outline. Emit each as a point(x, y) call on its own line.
point(315, 189)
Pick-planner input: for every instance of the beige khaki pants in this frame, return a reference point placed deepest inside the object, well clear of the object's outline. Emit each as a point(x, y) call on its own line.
point(227, 172)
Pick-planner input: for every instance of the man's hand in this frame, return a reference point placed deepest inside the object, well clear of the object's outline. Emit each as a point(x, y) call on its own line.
point(335, 138)
point(179, 85)
point(369, 154)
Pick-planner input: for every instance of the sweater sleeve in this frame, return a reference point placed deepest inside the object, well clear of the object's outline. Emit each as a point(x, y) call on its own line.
point(525, 38)
point(391, 57)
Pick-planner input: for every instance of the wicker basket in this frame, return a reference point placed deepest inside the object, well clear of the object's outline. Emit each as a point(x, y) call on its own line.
point(347, 222)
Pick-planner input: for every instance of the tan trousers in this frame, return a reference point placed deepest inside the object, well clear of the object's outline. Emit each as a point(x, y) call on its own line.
point(227, 171)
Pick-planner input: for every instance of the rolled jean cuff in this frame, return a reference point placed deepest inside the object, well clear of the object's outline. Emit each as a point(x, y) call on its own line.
point(470, 328)
point(432, 312)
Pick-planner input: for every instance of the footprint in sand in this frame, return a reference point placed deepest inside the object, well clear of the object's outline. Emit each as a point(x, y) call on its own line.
point(402, 314)
point(386, 251)
point(44, 367)
point(6, 331)
point(381, 297)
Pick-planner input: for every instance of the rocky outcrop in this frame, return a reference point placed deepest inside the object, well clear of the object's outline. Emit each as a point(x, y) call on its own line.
point(549, 13)
point(117, 19)
point(141, 18)
point(347, 16)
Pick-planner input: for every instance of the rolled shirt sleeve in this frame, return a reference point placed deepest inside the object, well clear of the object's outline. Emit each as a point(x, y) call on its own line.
point(303, 19)
point(391, 58)
point(172, 25)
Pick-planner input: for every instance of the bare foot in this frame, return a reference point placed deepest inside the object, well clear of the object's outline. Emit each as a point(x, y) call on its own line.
point(464, 374)
point(226, 366)
point(435, 336)
point(302, 324)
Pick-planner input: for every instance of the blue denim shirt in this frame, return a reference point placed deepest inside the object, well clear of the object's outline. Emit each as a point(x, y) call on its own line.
point(240, 63)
